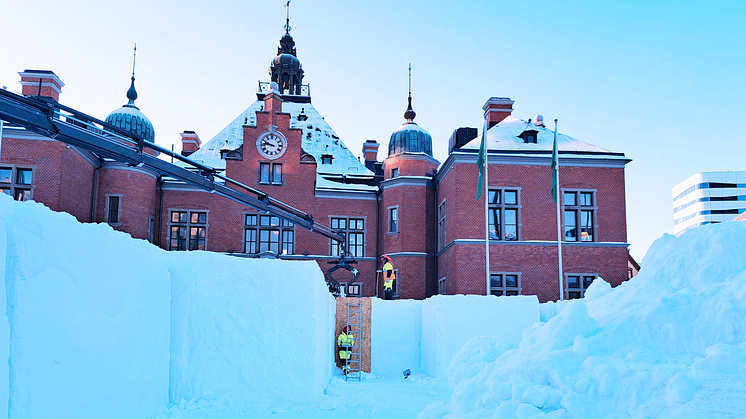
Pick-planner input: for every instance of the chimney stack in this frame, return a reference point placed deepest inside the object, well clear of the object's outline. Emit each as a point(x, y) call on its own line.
point(496, 109)
point(190, 143)
point(41, 83)
point(370, 150)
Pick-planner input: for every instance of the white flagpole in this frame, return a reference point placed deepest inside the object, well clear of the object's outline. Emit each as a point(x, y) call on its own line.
point(559, 221)
point(486, 213)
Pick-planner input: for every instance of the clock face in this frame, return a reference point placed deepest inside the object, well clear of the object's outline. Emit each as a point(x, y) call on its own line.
point(271, 145)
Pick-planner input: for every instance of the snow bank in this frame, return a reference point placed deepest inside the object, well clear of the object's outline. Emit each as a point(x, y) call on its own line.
point(670, 343)
point(450, 321)
point(250, 330)
point(89, 317)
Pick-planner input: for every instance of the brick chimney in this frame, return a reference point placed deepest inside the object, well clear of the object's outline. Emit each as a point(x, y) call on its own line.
point(496, 109)
point(190, 143)
point(370, 150)
point(51, 85)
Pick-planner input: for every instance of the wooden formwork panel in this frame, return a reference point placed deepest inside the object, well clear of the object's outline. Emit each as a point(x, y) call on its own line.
point(342, 322)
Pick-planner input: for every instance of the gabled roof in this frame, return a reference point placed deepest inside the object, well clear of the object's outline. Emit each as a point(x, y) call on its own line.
point(505, 136)
point(318, 139)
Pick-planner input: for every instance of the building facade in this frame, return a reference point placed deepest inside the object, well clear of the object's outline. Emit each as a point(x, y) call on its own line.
point(421, 212)
point(707, 198)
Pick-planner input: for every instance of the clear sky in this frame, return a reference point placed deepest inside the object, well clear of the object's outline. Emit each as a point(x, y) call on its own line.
point(662, 81)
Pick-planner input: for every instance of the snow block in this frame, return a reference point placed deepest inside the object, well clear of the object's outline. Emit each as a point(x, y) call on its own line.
point(4, 329)
point(450, 321)
point(89, 329)
point(396, 330)
point(250, 330)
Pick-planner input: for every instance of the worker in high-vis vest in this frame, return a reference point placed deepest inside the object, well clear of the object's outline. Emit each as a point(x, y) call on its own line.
point(389, 276)
point(345, 341)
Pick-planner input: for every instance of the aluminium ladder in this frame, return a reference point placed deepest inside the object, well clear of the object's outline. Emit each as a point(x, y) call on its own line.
point(354, 365)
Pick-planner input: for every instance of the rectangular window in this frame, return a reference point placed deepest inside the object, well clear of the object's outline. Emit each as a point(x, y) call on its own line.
point(505, 284)
point(579, 215)
point(442, 225)
point(353, 290)
point(268, 233)
point(395, 172)
point(17, 182)
point(504, 213)
point(112, 209)
point(188, 230)
point(577, 284)
point(353, 229)
point(393, 220)
point(270, 173)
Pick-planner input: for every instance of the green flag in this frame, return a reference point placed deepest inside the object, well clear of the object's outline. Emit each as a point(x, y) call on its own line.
point(554, 165)
point(480, 163)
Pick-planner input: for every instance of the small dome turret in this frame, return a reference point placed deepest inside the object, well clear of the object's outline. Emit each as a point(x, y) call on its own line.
point(286, 69)
point(410, 137)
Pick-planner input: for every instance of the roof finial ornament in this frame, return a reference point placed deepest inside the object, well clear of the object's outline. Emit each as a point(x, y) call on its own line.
point(132, 93)
point(409, 114)
point(287, 18)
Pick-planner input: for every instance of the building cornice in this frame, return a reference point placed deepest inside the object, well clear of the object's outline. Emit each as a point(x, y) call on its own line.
point(345, 194)
point(549, 243)
point(115, 165)
point(407, 181)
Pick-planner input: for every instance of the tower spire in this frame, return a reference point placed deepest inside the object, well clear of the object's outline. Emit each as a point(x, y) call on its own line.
point(287, 17)
point(409, 114)
point(132, 93)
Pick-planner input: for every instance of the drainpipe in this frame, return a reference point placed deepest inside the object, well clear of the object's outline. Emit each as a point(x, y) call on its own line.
point(1, 136)
point(93, 191)
point(159, 184)
point(378, 234)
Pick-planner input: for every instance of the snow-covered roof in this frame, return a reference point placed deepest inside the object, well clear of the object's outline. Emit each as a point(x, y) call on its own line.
point(318, 139)
point(324, 183)
point(505, 136)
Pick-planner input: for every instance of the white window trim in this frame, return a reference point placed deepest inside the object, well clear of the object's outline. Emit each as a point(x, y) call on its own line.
point(188, 224)
point(119, 210)
point(388, 220)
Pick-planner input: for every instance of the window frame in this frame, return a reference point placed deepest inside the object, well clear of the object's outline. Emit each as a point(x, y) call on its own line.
point(394, 172)
point(107, 213)
point(577, 211)
point(284, 228)
point(582, 288)
point(499, 206)
point(504, 289)
point(13, 187)
point(188, 225)
point(348, 232)
point(357, 285)
point(271, 178)
point(393, 222)
point(441, 214)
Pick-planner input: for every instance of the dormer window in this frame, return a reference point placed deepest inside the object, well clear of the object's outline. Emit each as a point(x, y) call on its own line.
point(326, 159)
point(529, 136)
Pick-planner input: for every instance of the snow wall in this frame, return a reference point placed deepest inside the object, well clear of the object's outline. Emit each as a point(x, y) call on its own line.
point(88, 310)
point(251, 330)
point(101, 325)
point(428, 333)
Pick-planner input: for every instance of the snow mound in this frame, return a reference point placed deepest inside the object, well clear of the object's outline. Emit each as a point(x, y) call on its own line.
point(670, 343)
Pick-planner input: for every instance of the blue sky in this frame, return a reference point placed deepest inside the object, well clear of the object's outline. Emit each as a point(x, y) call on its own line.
point(663, 82)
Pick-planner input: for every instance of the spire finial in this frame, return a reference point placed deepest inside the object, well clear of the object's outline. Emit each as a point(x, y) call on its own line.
point(287, 17)
point(409, 114)
point(132, 93)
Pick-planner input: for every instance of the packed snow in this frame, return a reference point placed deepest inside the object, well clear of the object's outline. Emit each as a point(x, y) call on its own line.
point(100, 325)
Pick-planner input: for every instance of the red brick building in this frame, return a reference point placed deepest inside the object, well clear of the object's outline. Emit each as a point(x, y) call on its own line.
point(421, 212)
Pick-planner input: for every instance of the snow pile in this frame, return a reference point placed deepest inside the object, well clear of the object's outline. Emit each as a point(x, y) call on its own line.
point(669, 343)
point(249, 330)
point(88, 310)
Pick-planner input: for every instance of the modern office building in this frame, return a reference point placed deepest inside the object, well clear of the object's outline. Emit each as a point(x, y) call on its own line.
point(708, 197)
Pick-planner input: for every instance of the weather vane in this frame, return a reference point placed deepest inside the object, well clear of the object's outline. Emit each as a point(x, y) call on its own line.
point(134, 56)
point(410, 79)
point(287, 19)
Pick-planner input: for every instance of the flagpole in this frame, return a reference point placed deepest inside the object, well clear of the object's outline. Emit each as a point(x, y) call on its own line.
point(486, 213)
point(559, 220)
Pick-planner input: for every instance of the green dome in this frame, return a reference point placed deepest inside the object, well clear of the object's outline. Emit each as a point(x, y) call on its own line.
point(129, 117)
point(410, 138)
